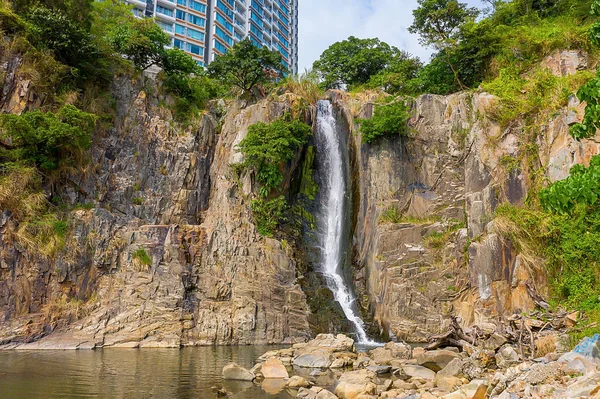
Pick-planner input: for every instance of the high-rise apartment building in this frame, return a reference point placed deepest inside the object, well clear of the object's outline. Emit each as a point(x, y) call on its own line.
point(207, 28)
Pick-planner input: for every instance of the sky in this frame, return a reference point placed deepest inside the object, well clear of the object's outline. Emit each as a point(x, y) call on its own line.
point(324, 22)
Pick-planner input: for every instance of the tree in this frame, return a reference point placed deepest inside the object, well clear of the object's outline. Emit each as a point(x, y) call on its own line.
point(438, 22)
point(395, 77)
point(77, 11)
point(70, 43)
point(354, 61)
point(247, 66)
point(140, 40)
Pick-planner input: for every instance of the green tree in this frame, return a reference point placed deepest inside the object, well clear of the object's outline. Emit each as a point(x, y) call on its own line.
point(45, 138)
point(388, 120)
point(354, 61)
point(70, 43)
point(395, 77)
point(140, 40)
point(247, 67)
point(77, 12)
point(438, 22)
point(590, 92)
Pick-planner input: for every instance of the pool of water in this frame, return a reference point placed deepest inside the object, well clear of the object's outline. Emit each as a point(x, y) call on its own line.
point(130, 373)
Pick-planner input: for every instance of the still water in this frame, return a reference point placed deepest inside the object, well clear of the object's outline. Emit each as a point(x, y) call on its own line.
point(129, 373)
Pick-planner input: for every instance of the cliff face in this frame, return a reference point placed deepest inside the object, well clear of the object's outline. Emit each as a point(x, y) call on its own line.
point(424, 242)
point(168, 191)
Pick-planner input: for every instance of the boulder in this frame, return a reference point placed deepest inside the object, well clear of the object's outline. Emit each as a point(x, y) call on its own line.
point(298, 382)
point(379, 370)
point(352, 384)
point(316, 359)
point(233, 371)
point(337, 343)
point(399, 350)
point(381, 356)
point(447, 383)
point(274, 368)
point(507, 357)
point(416, 371)
point(437, 359)
point(453, 369)
point(315, 393)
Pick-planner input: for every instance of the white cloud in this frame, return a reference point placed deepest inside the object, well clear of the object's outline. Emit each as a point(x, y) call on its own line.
point(324, 22)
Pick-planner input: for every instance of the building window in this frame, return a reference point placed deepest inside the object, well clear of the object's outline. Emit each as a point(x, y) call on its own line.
point(195, 34)
point(221, 19)
point(194, 49)
point(164, 11)
point(180, 15)
point(180, 29)
point(182, 2)
point(196, 20)
point(194, 5)
point(179, 44)
point(220, 47)
point(221, 33)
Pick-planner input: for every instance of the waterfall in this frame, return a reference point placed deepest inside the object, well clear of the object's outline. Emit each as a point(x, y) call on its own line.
point(333, 214)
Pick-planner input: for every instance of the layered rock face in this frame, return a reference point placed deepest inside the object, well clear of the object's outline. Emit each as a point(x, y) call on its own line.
point(168, 255)
point(425, 243)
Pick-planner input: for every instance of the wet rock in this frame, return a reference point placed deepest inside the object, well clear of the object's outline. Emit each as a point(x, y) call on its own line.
point(379, 370)
point(274, 368)
point(297, 382)
point(233, 371)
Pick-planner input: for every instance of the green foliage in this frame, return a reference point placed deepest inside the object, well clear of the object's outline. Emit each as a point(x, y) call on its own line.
point(10, 22)
point(69, 42)
point(354, 62)
point(247, 67)
point(590, 93)
point(142, 256)
point(269, 214)
point(388, 119)
point(268, 145)
point(570, 246)
point(582, 187)
point(140, 40)
point(76, 11)
point(47, 139)
point(305, 85)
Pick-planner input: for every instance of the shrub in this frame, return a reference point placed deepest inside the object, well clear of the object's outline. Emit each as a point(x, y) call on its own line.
point(388, 119)
point(269, 214)
point(142, 257)
point(582, 187)
point(45, 138)
point(268, 145)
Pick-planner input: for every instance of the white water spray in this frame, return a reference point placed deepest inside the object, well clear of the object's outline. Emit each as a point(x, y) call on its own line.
point(331, 227)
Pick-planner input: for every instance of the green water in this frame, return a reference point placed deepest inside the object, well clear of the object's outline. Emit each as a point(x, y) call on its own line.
point(129, 373)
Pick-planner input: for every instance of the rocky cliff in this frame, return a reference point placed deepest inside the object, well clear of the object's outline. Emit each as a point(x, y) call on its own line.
point(164, 253)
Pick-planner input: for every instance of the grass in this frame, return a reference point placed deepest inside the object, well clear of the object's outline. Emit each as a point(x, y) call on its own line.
point(141, 259)
point(305, 85)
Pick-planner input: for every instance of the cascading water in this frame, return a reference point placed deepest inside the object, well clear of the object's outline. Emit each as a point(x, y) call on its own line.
point(332, 226)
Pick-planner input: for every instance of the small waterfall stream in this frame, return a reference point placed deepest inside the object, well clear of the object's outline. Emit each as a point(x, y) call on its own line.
point(333, 215)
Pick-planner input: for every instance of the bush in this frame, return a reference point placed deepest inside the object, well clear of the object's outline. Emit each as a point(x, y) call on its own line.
point(388, 119)
point(269, 215)
point(47, 139)
point(582, 187)
point(268, 145)
point(142, 257)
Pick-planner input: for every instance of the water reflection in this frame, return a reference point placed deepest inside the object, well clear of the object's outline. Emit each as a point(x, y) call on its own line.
point(129, 373)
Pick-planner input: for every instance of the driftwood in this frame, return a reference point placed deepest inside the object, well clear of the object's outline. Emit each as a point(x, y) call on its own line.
point(521, 331)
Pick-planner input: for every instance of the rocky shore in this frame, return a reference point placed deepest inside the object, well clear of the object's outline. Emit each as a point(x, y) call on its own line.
point(331, 367)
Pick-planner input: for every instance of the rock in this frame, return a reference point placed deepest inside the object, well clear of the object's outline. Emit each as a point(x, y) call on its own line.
point(273, 386)
point(453, 369)
point(447, 383)
point(233, 371)
point(274, 368)
point(315, 393)
point(338, 364)
point(337, 343)
point(507, 357)
point(416, 371)
point(380, 369)
point(361, 362)
point(317, 359)
point(494, 342)
point(580, 365)
point(381, 356)
point(297, 382)
point(437, 359)
point(480, 393)
point(399, 350)
point(351, 384)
